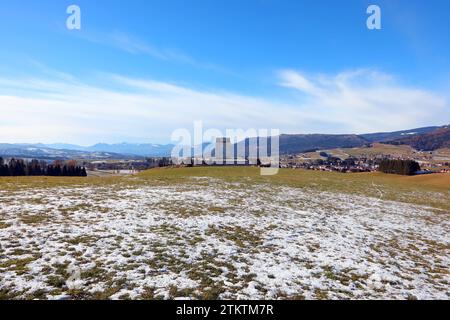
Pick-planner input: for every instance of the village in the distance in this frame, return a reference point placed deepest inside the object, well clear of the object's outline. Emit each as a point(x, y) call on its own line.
point(428, 147)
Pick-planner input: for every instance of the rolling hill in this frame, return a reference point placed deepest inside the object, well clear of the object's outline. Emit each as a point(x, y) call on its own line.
point(437, 139)
point(427, 138)
point(390, 136)
point(297, 143)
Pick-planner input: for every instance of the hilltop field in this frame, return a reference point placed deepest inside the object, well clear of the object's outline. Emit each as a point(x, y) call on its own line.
point(226, 233)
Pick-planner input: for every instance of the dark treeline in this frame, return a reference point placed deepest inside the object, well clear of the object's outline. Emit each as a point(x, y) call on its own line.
point(159, 162)
point(403, 167)
point(19, 167)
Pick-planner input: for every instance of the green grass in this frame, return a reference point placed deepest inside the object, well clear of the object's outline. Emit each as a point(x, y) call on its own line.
point(416, 189)
point(4, 225)
point(33, 219)
point(431, 190)
point(19, 266)
point(413, 189)
point(241, 237)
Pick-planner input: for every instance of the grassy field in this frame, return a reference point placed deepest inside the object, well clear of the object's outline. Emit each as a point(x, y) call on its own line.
point(433, 190)
point(442, 154)
point(225, 232)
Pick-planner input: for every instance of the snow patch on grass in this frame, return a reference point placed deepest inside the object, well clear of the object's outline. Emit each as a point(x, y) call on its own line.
point(207, 239)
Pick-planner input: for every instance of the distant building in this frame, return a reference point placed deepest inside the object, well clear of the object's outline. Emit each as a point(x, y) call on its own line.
point(225, 153)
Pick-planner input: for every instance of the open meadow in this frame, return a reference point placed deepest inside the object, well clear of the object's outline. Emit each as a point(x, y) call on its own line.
point(225, 233)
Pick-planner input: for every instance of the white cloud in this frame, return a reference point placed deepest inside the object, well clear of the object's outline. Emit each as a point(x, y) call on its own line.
point(38, 110)
point(366, 100)
point(141, 111)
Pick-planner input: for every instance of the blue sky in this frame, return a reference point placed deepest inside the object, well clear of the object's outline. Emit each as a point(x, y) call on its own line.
point(137, 70)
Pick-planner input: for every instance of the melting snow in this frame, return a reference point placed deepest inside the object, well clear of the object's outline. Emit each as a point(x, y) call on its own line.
point(220, 240)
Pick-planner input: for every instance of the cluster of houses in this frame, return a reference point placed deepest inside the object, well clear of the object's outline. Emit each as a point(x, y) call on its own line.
point(225, 154)
point(332, 164)
point(128, 166)
point(356, 164)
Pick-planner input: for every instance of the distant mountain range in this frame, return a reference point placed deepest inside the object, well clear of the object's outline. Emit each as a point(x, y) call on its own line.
point(42, 152)
point(390, 136)
point(143, 150)
point(439, 138)
point(428, 138)
point(297, 143)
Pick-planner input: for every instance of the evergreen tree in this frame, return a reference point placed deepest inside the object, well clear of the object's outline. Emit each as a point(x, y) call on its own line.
point(17, 167)
point(402, 167)
point(4, 171)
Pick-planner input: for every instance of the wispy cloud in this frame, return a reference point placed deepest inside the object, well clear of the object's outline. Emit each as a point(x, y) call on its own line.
point(134, 45)
point(143, 110)
point(367, 100)
point(120, 108)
